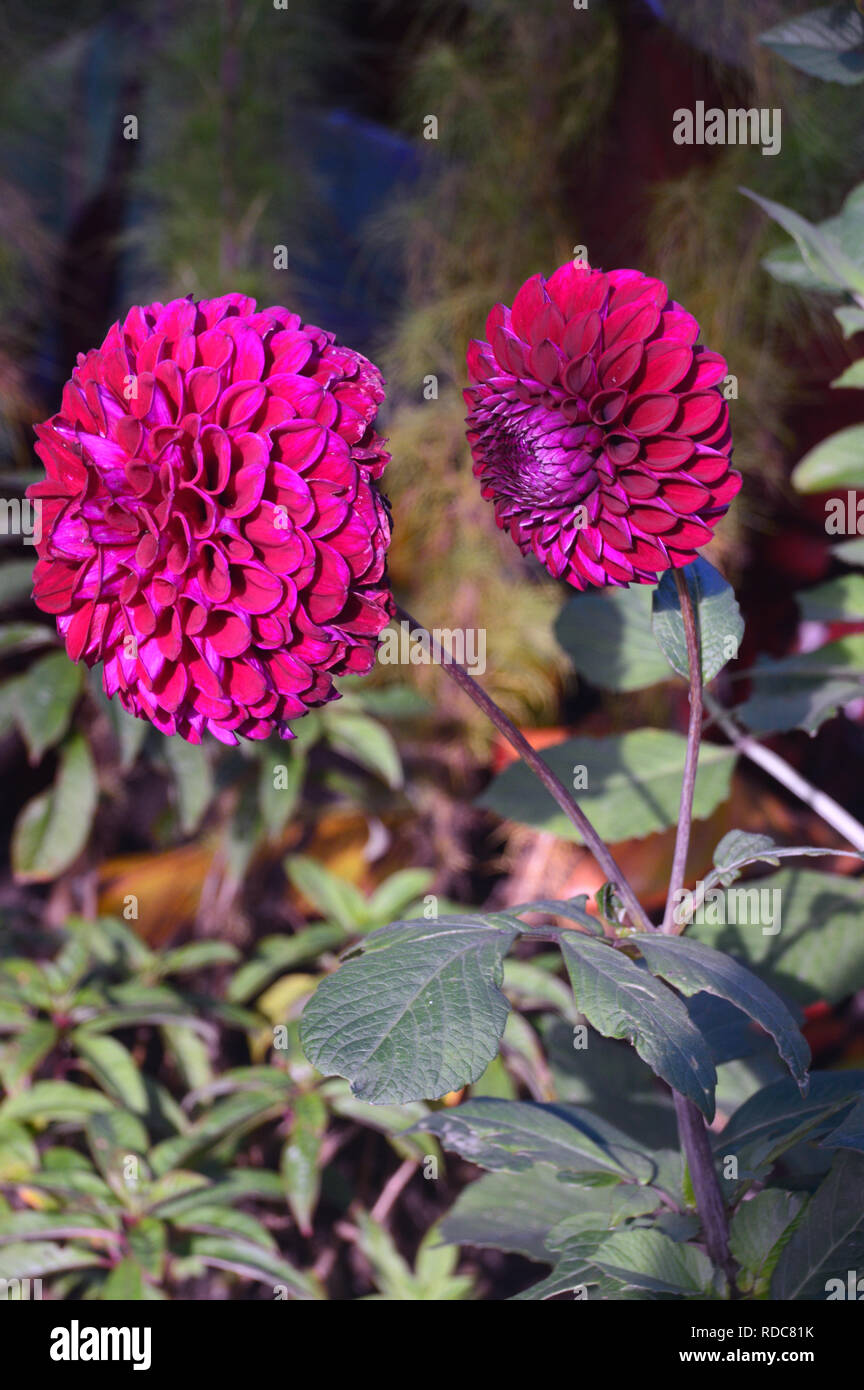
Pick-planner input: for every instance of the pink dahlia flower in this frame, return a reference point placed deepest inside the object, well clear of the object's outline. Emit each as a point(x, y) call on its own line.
point(597, 426)
point(211, 529)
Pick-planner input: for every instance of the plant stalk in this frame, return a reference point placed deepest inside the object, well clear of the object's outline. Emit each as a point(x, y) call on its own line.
point(691, 759)
point(692, 1129)
point(696, 1144)
point(637, 914)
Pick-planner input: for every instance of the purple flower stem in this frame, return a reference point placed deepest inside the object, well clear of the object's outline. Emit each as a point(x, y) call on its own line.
point(692, 1129)
point(637, 914)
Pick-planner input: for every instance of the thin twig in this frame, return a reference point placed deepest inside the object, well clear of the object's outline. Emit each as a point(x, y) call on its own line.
point(825, 806)
point(541, 769)
point(391, 1190)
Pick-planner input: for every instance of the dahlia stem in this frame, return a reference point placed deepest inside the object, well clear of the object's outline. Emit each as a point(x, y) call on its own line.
point(696, 1144)
point(692, 1129)
point(637, 914)
point(691, 760)
point(825, 806)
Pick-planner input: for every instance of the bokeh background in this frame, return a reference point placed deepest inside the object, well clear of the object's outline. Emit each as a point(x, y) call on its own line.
point(284, 152)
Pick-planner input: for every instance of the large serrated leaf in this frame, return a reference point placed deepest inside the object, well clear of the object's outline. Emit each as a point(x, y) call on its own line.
point(827, 42)
point(718, 619)
point(776, 1118)
point(651, 1260)
point(632, 784)
point(621, 1000)
point(516, 1211)
point(418, 1013)
point(760, 1227)
point(829, 1239)
point(801, 931)
point(692, 967)
point(608, 638)
point(803, 690)
point(513, 1135)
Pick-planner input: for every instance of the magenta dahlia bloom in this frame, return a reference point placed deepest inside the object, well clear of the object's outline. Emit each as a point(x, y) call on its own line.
point(211, 529)
point(597, 426)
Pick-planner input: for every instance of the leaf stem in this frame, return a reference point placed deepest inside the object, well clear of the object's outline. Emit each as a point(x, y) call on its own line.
point(541, 769)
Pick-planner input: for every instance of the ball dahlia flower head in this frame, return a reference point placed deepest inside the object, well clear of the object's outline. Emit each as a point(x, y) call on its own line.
point(211, 528)
point(598, 428)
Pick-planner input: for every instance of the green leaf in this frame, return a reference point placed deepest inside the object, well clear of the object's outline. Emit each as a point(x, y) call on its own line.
point(514, 1135)
point(19, 1155)
point(300, 1160)
point(24, 1054)
point(850, 318)
point(852, 377)
point(16, 1226)
point(850, 552)
point(113, 1067)
point(514, 1211)
point(32, 1259)
point(633, 784)
point(836, 462)
point(197, 955)
point(692, 967)
point(280, 953)
point(826, 43)
point(54, 1100)
point(178, 1193)
point(608, 638)
point(760, 1228)
point(193, 779)
point(125, 1283)
point(45, 699)
point(241, 1111)
point(53, 828)
point(718, 619)
point(824, 249)
point(829, 1239)
point(776, 1118)
point(397, 893)
point(280, 782)
point(419, 1013)
point(114, 1138)
point(571, 909)
point(249, 1261)
point(650, 1260)
point(334, 897)
point(213, 1221)
point(16, 582)
point(802, 932)
point(849, 1134)
point(621, 1000)
point(840, 600)
point(740, 847)
point(366, 742)
point(803, 690)
point(23, 637)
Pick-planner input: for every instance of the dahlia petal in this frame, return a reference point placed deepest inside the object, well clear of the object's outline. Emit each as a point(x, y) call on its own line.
point(526, 306)
point(698, 412)
point(650, 414)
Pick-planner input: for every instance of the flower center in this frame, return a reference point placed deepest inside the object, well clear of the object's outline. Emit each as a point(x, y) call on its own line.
point(541, 461)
